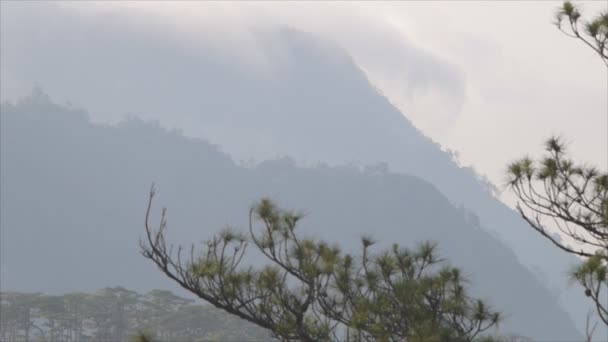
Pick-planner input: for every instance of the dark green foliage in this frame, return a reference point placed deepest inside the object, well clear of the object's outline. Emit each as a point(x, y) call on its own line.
point(142, 337)
point(117, 314)
point(594, 33)
point(312, 291)
point(556, 191)
point(573, 198)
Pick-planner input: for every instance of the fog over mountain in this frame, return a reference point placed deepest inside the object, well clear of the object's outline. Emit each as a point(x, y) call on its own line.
point(70, 188)
point(75, 193)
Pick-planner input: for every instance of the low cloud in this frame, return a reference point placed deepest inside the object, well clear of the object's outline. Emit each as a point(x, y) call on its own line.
point(37, 37)
point(467, 74)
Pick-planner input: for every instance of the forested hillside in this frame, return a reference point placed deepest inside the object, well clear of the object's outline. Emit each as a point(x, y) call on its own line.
point(117, 314)
point(74, 193)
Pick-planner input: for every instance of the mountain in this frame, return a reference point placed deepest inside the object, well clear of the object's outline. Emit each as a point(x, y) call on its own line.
point(303, 98)
point(73, 197)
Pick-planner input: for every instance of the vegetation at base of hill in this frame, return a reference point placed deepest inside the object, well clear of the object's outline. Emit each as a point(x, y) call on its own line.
point(117, 314)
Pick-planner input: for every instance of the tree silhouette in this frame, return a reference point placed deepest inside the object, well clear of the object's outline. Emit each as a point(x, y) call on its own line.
point(571, 196)
point(311, 291)
point(593, 33)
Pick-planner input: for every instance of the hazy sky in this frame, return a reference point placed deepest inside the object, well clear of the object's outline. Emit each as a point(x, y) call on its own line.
point(491, 80)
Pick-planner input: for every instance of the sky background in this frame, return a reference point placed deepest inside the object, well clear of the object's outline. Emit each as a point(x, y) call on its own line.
point(490, 80)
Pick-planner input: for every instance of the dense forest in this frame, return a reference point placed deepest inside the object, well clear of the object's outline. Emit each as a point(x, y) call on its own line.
point(117, 314)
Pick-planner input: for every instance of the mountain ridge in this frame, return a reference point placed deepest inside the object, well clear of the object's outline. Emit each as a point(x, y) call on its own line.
point(74, 192)
point(317, 107)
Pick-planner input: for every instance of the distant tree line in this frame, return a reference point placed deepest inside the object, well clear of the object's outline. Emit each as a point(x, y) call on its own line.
point(116, 314)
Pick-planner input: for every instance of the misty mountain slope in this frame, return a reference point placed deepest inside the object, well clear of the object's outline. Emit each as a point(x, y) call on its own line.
point(301, 97)
point(73, 197)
